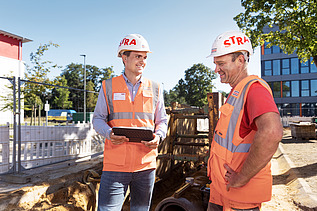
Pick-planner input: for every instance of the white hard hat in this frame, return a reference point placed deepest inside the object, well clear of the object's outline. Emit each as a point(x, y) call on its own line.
point(230, 42)
point(133, 42)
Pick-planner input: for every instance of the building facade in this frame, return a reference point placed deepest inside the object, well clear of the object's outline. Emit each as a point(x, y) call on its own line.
point(11, 64)
point(294, 83)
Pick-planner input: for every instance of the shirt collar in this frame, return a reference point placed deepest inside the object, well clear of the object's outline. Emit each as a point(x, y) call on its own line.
point(127, 80)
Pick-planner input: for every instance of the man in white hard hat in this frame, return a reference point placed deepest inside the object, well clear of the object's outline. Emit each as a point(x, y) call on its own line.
point(129, 100)
point(247, 134)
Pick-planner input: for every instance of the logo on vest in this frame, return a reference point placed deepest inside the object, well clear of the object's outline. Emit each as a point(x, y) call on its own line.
point(235, 93)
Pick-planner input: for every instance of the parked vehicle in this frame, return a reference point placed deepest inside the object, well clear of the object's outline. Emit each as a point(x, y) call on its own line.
point(60, 115)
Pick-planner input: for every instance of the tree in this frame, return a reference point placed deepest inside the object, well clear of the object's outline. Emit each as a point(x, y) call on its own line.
point(7, 97)
point(61, 95)
point(74, 74)
point(296, 20)
point(173, 96)
point(194, 88)
point(91, 97)
point(198, 82)
point(34, 94)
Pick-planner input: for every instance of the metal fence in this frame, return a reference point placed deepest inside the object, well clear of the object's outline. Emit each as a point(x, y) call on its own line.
point(305, 112)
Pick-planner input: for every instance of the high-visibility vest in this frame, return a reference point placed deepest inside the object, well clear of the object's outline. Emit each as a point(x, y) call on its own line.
point(228, 147)
point(122, 111)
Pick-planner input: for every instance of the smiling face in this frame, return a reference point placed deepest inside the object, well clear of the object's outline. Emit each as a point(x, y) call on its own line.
point(134, 63)
point(230, 72)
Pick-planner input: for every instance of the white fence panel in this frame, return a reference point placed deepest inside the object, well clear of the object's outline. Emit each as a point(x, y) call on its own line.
point(287, 120)
point(42, 145)
point(4, 148)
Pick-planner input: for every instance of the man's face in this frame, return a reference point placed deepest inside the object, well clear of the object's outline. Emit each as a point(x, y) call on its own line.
point(135, 63)
point(228, 71)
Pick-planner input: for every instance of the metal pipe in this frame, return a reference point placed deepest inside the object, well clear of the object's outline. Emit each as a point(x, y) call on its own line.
point(84, 86)
point(19, 126)
point(14, 128)
point(177, 204)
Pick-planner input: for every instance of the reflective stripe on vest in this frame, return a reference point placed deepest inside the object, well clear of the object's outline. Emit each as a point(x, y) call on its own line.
point(238, 105)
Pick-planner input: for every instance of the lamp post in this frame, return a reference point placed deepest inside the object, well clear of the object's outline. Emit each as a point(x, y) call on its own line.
point(84, 86)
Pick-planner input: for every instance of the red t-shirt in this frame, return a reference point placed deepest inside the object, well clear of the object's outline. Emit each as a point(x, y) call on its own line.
point(258, 101)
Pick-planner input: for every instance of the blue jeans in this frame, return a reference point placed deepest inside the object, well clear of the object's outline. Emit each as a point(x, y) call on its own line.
point(114, 185)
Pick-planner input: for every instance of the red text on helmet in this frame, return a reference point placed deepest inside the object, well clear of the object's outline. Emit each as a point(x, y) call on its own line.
point(233, 40)
point(128, 42)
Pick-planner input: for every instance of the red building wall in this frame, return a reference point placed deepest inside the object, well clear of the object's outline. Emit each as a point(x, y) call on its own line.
point(10, 47)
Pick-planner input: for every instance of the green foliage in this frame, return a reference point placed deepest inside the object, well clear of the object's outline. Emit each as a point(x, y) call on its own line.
point(91, 97)
point(74, 74)
point(61, 95)
point(34, 94)
point(7, 98)
point(194, 88)
point(198, 82)
point(296, 20)
point(173, 96)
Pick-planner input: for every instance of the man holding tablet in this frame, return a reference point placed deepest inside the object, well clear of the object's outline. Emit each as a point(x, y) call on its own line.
point(133, 102)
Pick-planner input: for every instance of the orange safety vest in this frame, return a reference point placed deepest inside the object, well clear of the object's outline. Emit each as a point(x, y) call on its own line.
point(228, 147)
point(122, 111)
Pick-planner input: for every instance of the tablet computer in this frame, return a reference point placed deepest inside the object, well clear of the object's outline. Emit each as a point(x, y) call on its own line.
point(134, 134)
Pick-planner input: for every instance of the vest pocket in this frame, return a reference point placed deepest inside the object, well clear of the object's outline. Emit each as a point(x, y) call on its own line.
point(217, 170)
point(115, 154)
point(147, 99)
point(223, 122)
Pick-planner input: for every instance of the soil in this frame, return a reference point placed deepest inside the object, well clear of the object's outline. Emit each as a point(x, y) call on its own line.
point(303, 157)
point(71, 193)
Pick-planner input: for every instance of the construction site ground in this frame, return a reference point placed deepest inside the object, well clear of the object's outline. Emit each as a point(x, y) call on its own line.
point(63, 186)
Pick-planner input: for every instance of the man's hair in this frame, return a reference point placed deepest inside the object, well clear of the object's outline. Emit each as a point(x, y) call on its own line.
point(235, 55)
point(127, 53)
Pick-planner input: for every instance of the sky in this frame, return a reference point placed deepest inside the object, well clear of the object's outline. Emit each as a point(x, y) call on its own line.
point(179, 32)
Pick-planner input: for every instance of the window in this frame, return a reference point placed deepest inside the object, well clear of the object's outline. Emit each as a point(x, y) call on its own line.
point(295, 88)
point(313, 87)
point(285, 109)
point(276, 49)
point(276, 67)
point(308, 109)
point(285, 66)
point(304, 67)
point(313, 68)
point(305, 88)
point(294, 66)
point(268, 68)
point(295, 109)
point(286, 88)
point(276, 89)
point(266, 49)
